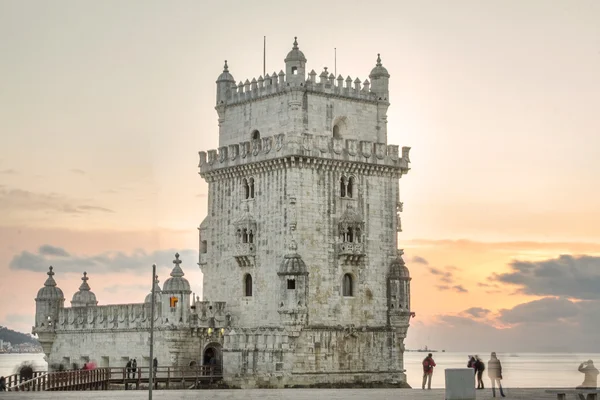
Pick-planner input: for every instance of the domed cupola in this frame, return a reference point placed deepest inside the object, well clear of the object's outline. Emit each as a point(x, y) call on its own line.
point(157, 293)
point(50, 291)
point(380, 79)
point(84, 297)
point(225, 75)
point(379, 70)
point(177, 283)
point(295, 65)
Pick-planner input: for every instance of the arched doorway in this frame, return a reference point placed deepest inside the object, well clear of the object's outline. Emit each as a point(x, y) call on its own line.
point(213, 355)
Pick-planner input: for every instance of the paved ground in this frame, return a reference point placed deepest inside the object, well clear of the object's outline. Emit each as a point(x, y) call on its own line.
point(272, 394)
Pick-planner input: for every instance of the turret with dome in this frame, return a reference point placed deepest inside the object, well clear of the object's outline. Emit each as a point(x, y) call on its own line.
point(84, 297)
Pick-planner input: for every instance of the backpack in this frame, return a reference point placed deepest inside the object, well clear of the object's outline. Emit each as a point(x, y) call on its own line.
point(426, 365)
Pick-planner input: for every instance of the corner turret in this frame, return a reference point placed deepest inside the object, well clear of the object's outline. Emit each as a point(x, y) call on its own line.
point(224, 84)
point(294, 66)
point(380, 81)
point(85, 297)
point(48, 302)
point(157, 293)
point(176, 296)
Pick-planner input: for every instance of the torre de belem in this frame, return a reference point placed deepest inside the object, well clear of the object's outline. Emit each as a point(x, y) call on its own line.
point(303, 281)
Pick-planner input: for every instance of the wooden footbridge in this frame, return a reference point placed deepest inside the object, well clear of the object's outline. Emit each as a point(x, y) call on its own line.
point(113, 378)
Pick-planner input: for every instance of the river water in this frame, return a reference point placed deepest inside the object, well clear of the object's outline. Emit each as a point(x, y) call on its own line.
point(520, 370)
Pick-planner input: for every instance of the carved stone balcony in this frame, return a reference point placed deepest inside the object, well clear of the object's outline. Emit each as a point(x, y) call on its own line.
point(244, 254)
point(351, 252)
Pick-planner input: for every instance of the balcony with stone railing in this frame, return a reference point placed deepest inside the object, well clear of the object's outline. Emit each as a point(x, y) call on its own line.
point(351, 252)
point(244, 254)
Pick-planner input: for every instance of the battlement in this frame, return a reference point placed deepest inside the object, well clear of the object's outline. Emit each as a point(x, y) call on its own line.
point(134, 316)
point(276, 84)
point(306, 145)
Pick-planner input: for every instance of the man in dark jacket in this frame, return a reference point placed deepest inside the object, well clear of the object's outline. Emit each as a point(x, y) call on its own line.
point(495, 374)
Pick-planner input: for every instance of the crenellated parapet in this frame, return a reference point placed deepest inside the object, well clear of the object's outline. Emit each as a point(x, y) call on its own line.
point(210, 314)
point(108, 317)
point(276, 84)
point(280, 146)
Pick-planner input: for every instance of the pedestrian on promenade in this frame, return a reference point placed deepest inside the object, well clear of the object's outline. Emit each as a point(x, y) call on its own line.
point(479, 368)
point(128, 368)
point(134, 367)
point(495, 374)
point(428, 364)
point(2, 384)
point(154, 365)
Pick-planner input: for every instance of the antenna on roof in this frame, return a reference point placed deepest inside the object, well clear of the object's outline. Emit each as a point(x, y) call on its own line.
point(335, 61)
point(264, 55)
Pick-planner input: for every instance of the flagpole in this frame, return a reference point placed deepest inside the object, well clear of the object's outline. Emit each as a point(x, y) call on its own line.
point(335, 61)
point(264, 55)
point(151, 377)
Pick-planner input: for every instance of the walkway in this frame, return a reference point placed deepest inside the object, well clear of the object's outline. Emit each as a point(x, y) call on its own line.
point(286, 394)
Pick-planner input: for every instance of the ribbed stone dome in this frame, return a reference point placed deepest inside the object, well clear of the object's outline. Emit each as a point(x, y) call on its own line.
point(157, 293)
point(379, 70)
point(292, 264)
point(50, 291)
point(225, 75)
point(295, 54)
point(177, 283)
point(85, 297)
point(398, 267)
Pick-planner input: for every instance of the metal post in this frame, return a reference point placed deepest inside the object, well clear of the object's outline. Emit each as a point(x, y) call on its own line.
point(151, 377)
point(335, 61)
point(264, 56)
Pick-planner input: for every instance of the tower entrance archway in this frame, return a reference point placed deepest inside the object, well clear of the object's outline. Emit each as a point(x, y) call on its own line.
point(213, 355)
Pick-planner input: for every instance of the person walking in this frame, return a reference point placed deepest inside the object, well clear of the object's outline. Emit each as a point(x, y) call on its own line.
point(428, 364)
point(479, 368)
point(495, 374)
point(154, 366)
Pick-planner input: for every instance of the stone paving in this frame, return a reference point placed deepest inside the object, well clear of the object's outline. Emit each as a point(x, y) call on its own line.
point(272, 394)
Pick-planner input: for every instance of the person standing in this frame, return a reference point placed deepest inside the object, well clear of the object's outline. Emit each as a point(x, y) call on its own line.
point(479, 368)
point(128, 368)
point(2, 384)
point(428, 364)
point(495, 374)
point(154, 366)
point(134, 367)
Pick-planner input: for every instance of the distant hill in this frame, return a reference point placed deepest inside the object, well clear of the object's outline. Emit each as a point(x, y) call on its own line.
point(14, 337)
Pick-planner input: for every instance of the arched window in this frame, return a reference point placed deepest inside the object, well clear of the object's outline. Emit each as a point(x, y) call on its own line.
point(255, 135)
point(348, 286)
point(350, 189)
point(246, 188)
point(248, 285)
point(294, 70)
point(251, 185)
point(245, 236)
point(336, 132)
point(250, 237)
point(343, 187)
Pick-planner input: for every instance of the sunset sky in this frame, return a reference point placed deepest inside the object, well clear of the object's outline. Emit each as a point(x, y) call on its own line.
point(104, 106)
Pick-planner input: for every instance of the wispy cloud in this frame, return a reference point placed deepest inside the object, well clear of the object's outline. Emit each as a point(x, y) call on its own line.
point(419, 260)
point(103, 263)
point(18, 199)
point(78, 171)
point(9, 171)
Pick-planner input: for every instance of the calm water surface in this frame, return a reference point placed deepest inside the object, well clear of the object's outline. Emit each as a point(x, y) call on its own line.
point(523, 370)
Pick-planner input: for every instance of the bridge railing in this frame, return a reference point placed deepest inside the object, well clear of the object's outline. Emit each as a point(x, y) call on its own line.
point(64, 380)
point(165, 373)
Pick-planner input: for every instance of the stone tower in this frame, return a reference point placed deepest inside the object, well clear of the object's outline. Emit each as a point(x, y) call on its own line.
point(300, 239)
